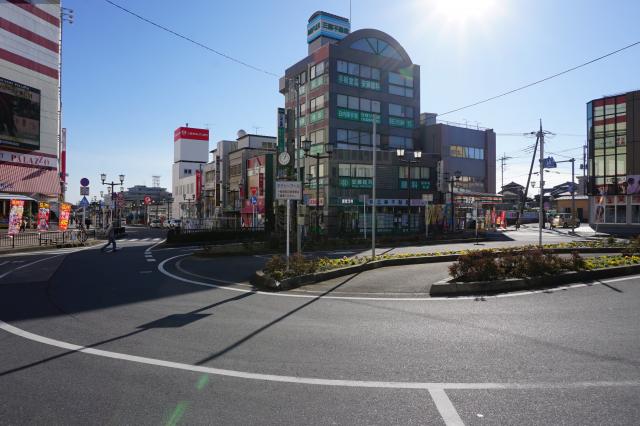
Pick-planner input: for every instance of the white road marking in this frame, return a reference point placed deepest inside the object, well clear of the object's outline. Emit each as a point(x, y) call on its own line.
point(146, 272)
point(131, 239)
point(4, 263)
point(28, 264)
point(151, 260)
point(445, 407)
point(148, 250)
point(307, 380)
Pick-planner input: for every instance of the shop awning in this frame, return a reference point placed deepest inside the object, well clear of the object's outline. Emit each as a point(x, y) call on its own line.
point(29, 180)
point(4, 196)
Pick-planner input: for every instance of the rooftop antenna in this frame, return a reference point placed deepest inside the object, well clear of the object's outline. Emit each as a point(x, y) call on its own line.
point(256, 128)
point(156, 181)
point(349, 11)
point(186, 125)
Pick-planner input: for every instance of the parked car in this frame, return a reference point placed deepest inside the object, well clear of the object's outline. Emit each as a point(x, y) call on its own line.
point(563, 220)
point(175, 223)
point(155, 223)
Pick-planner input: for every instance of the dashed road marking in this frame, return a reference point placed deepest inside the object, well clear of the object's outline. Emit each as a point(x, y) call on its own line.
point(445, 407)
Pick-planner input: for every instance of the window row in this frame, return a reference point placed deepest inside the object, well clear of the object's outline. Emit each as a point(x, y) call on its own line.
point(358, 70)
point(401, 110)
point(355, 170)
point(352, 139)
point(416, 172)
point(466, 152)
point(358, 104)
point(400, 142)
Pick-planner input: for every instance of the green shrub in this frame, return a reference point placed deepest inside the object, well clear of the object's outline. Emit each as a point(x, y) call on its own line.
point(486, 265)
point(633, 248)
point(276, 267)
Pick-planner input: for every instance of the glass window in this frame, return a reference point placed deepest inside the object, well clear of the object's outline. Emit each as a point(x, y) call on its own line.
point(403, 172)
point(375, 106)
point(375, 73)
point(365, 138)
point(343, 101)
point(354, 69)
point(343, 67)
point(395, 109)
point(424, 173)
point(396, 90)
point(408, 93)
point(344, 169)
point(621, 214)
point(415, 173)
point(365, 104)
point(408, 111)
point(354, 102)
point(621, 165)
point(320, 68)
point(635, 214)
point(395, 78)
point(353, 137)
point(365, 71)
point(342, 135)
point(363, 45)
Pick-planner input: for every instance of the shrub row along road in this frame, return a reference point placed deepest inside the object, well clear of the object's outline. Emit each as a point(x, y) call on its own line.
point(93, 338)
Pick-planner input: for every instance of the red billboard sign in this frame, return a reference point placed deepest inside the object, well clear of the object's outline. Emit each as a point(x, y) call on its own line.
point(191, 133)
point(198, 184)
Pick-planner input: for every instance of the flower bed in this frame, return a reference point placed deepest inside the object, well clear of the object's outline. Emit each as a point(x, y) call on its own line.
point(602, 262)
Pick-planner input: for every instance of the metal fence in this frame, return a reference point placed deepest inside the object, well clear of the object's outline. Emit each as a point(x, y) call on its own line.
point(47, 238)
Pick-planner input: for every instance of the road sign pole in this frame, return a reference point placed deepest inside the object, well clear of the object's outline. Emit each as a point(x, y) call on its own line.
point(288, 229)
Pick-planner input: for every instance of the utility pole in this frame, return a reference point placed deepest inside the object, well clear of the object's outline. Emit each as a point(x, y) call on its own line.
point(541, 215)
point(373, 194)
point(526, 188)
point(503, 160)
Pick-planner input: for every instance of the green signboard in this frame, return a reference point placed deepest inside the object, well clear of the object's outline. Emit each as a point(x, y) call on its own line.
point(363, 83)
point(401, 122)
point(353, 115)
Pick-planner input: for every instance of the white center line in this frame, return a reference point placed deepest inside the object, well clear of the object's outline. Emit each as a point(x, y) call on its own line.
point(445, 407)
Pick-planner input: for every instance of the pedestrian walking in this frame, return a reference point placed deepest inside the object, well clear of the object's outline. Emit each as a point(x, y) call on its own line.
point(111, 238)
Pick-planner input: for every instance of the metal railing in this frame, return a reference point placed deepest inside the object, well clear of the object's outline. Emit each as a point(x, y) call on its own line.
point(47, 238)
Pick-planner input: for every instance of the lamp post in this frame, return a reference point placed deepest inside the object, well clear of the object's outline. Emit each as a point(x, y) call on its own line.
point(306, 145)
point(455, 178)
point(111, 185)
point(416, 156)
point(188, 199)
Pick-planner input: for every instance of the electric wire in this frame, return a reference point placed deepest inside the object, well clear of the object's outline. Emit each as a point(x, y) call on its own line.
point(197, 43)
point(542, 80)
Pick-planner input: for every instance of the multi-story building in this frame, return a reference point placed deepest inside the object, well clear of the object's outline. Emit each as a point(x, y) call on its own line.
point(467, 166)
point(613, 129)
point(348, 81)
point(190, 154)
point(216, 178)
point(30, 165)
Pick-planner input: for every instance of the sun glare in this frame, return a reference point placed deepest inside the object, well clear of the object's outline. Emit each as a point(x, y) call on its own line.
point(460, 12)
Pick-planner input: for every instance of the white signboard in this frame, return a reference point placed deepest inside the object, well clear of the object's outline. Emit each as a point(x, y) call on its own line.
point(288, 190)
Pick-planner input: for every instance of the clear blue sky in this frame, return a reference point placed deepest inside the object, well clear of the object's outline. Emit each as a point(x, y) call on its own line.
point(128, 85)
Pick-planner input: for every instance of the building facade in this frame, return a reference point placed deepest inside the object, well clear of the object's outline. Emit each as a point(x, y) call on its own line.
point(190, 154)
point(30, 168)
point(613, 129)
point(348, 81)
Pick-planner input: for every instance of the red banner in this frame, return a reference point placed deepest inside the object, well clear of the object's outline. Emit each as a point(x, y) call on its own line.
point(198, 184)
point(43, 217)
point(15, 216)
point(191, 133)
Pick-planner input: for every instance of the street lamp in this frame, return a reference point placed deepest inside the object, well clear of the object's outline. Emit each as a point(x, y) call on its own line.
point(110, 187)
point(416, 157)
point(306, 145)
point(188, 200)
point(457, 174)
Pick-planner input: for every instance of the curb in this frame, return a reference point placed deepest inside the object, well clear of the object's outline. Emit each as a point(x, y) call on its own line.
point(518, 284)
point(261, 280)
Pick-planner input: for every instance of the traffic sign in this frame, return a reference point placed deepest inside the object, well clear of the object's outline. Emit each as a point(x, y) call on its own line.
point(147, 200)
point(84, 202)
point(549, 163)
point(84, 182)
point(254, 190)
point(254, 200)
point(84, 190)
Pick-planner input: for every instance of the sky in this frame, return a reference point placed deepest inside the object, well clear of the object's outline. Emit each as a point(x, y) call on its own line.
point(127, 85)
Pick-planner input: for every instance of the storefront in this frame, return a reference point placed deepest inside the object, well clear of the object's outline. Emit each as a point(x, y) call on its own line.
point(616, 214)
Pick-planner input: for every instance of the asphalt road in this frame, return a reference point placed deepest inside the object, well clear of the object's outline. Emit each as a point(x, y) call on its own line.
point(107, 338)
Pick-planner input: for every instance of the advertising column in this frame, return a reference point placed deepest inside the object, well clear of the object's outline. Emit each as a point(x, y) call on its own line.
point(65, 212)
point(43, 217)
point(15, 216)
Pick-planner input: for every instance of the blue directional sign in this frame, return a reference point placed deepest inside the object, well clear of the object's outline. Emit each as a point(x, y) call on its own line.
point(84, 202)
point(254, 200)
point(549, 163)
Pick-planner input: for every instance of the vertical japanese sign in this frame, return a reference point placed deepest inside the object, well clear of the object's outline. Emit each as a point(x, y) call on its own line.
point(198, 184)
point(15, 216)
point(43, 217)
point(65, 212)
point(282, 120)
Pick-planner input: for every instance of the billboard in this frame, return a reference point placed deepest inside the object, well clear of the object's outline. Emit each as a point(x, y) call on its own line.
point(19, 115)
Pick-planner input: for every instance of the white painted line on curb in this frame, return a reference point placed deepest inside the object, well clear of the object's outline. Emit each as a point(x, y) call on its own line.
point(225, 286)
point(306, 380)
point(445, 407)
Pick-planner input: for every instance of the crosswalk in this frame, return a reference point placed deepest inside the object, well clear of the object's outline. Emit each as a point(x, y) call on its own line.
point(138, 240)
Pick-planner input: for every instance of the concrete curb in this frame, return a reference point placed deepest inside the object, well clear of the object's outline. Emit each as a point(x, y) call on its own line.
point(491, 287)
point(261, 280)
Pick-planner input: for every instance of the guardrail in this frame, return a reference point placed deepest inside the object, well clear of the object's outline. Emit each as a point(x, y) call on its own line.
point(53, 238)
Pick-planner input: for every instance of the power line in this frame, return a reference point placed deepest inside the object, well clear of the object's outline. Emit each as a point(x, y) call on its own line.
point(542, 80)
point(204, 46)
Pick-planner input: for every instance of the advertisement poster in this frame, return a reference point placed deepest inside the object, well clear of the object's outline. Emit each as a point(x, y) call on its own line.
point(15, 216)
point(43, 217)
point(633, 184)
point(20, 115)
point(65, 212)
